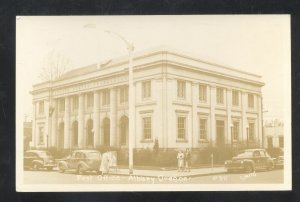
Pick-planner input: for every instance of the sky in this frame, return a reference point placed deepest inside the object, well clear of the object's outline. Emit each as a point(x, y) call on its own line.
point(258, 44)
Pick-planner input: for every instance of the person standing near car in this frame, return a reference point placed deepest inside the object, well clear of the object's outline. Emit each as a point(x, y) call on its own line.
point(104, 165)
point(180, 159)
point(187, 158)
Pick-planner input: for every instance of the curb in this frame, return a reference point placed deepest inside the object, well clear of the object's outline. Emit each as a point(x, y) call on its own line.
point(168, 175)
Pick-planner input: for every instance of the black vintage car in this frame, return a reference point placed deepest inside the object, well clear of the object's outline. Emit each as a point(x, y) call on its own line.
point(250, 160)
point(38, 159)
point(80, 161)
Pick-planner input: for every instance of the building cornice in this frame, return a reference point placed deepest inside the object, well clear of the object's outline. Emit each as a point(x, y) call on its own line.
point(146, 59)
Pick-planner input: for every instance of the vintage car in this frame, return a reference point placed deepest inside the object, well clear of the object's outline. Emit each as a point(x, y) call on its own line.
point(38, 159)
point(279, 161)
point(250, 160)
point(81, 161)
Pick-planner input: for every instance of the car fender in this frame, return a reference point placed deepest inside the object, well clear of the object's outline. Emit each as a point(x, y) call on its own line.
point(248, 161)
point(39, 162)
point(83, 164)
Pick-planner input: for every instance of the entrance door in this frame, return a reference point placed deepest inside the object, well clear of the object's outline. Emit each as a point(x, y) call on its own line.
point(61, 136)
point(220, 133)
point(123, 130)
point(90, 134)
point(106, 132)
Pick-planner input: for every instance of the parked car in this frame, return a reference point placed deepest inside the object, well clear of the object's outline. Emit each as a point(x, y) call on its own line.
point(81, 161)
point(279, 161)
point(250, 160)
point(38, 159)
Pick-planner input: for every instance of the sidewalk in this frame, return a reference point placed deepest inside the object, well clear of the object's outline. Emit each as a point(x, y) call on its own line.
point(169, 173)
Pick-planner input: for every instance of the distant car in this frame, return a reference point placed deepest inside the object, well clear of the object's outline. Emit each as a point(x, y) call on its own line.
point(38, 159)
point(81, 161)
point(279, 161)
point(250, 160)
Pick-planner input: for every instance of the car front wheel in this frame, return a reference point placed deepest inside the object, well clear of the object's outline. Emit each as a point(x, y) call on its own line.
point(270, 166)
point(61, 169)
point(36, 166)
point(80, 170)
point(248, 168)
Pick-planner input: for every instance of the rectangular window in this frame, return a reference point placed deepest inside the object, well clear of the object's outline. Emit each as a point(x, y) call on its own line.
point(270, 142)
point(235, 131)
point(181, 128)
point(61, 104)
point(123, 94)
point(41, 107)
point(75, 101)
point(281, 142)
point(203, 129)
point(220, 96)
point(146, 91)
point(147, 127)
point(235, 98)
point(250, 101)
point(181, 89)
point(251, 131)
point(41, 135)
point(220, 132)
point(106, 97)
point(90, 100)
point(202, 93)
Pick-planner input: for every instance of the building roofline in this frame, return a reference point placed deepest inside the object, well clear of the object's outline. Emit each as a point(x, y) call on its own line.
point(121, 60)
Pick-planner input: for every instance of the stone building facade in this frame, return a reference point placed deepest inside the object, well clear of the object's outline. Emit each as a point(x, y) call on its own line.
point(180, 100)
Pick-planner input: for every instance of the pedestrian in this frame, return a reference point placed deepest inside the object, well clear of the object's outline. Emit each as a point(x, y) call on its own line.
point(180, 159)
point(187, 159)
point(104, 166)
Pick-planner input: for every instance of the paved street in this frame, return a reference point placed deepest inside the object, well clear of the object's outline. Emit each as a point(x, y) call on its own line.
point(54, 177)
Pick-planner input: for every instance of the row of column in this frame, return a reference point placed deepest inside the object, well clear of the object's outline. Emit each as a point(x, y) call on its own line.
point(244, 117)
point(82, 138)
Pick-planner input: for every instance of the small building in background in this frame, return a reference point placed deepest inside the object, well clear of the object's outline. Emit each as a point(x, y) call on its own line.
point(273, 134)
point(27, 125)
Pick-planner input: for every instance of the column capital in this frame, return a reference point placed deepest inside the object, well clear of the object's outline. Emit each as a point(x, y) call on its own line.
point(229, 88)
point(195, 83)
point(213, 85)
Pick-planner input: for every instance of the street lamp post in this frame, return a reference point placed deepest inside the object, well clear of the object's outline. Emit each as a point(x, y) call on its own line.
point(131, 107)
point(231, 127)
point(247, 128)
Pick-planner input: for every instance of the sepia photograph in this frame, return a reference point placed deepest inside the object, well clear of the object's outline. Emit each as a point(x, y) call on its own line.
point(153, 103)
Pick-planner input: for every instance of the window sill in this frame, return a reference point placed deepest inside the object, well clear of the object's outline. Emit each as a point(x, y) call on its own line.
point(146, 140)
point(145, 99)
point(182, 141)
point(203, 101)
point(203, 141)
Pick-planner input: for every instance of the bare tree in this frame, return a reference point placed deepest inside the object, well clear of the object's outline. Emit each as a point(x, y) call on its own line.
point(54, 66)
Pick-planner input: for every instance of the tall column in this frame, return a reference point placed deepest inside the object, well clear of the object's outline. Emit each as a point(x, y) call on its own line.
point(81, 141)
point(260, 124)
point(34, 133)
point(96, 119)
point(164, 110)
point(212, 114)
point(195, 98)
point(244, 117)
point(229, 120)
point(67, 135)
point(113, 116)
point(54, 125)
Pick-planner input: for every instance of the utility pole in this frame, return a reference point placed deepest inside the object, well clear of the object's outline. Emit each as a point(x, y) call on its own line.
point(131, 99)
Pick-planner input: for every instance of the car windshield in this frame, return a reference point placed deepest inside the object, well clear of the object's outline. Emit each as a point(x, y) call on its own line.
point(245, 154)
point(93, 154)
